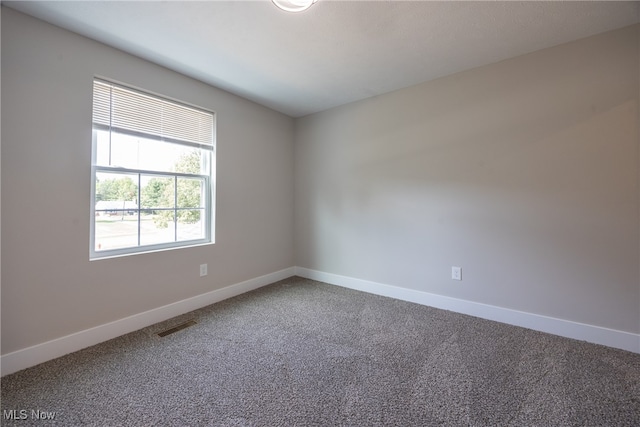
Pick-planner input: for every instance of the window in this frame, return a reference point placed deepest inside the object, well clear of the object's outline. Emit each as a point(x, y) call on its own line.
point(152, 169)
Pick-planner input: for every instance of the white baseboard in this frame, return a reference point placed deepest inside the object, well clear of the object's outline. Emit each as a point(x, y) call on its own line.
point(31, 356)
point(565, 328)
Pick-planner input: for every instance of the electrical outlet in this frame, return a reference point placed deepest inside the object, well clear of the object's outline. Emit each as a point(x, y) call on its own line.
point(456, 273)
point(203, 270)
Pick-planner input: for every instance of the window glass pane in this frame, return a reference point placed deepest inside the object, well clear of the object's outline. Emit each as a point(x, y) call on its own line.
point(157, 192)
point(116, 191)
point(115, 230)
point(190, 193)
point(157, 227)
point(134, 152)
point(191, 160)
point(116, 211)
point(102, 148)
point(191, 224)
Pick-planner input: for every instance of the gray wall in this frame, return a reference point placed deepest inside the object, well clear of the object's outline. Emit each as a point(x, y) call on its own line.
point(49, 287)
point(524, 172)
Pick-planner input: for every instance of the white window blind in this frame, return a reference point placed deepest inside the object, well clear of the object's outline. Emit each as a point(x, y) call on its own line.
point(128, 111)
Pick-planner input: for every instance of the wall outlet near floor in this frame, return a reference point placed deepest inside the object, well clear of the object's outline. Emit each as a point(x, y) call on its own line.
point(456, 273)
point(203, 270)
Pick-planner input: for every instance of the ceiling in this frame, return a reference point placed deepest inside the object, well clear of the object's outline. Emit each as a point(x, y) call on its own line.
point(337, 51)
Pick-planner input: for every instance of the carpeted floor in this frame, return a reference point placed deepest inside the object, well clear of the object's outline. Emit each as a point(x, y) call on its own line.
point(303, 353)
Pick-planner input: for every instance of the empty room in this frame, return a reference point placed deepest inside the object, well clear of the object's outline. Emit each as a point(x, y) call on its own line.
point(320, 212)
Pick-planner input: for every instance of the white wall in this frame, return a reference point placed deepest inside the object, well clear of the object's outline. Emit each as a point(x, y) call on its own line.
point(49, 287)
point(524, 172)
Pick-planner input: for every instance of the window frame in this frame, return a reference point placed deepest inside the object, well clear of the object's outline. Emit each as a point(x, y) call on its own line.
point(208, 182)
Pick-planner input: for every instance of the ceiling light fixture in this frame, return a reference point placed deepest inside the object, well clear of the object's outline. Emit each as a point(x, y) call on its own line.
point(294, 5)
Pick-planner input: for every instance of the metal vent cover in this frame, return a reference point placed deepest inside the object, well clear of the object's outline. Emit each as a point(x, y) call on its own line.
point(177, 328)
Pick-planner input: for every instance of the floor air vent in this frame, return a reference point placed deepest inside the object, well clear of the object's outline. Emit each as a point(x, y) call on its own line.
point(177, 328)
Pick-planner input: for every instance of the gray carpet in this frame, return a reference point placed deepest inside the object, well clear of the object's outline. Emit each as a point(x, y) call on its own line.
point(303, 353)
